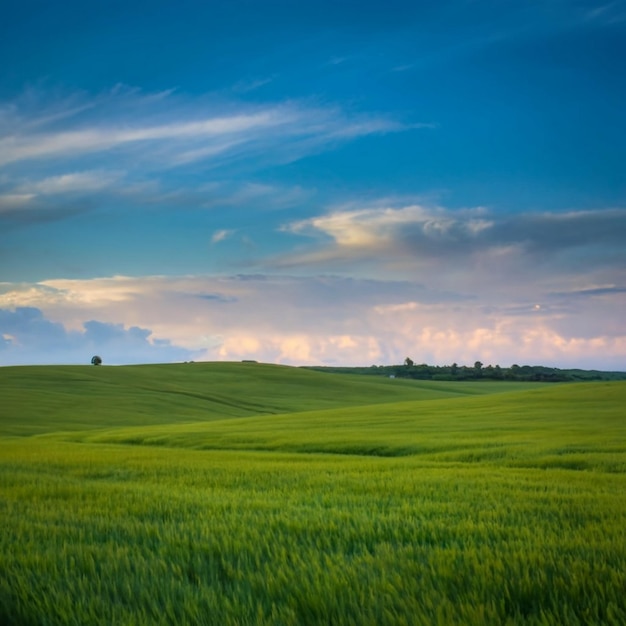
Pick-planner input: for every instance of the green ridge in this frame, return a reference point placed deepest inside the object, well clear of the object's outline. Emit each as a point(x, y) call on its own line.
point(41, 399)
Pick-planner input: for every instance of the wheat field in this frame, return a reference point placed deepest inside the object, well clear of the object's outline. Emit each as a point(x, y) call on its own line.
point(253, 494)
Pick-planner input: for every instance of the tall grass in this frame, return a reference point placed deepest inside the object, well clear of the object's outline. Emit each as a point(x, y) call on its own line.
point(499, 509)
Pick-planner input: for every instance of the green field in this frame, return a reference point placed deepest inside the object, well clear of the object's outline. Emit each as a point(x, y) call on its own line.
point(240, 493)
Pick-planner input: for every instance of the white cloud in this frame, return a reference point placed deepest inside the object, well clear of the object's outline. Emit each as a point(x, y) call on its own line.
point(380, 226)
point(33, 339)
point(221, 235)
point(475, 250)
point(178, 130)
point(62, 156)
point(86, 181)
point(246, 194)
point(329, 319)
point(245, 86)
point(77, 142)
point(14, 201)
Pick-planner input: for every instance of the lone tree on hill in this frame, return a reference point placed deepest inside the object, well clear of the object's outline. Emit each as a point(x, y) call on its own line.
point(96, 360)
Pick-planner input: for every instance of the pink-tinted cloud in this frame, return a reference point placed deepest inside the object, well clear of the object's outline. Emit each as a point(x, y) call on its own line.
point(326, 319)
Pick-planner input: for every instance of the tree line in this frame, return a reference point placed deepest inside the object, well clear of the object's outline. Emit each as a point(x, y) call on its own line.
point(477, 371)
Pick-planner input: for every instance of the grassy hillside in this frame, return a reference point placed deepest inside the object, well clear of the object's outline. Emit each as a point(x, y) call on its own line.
point(329, 500)
point(564, 426)
point(46, 399)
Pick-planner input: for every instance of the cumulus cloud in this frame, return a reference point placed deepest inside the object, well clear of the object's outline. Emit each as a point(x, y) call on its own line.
point(419, 230)
point(329, 319)
point(378, 228)
point(28, 337)
point(477, 250)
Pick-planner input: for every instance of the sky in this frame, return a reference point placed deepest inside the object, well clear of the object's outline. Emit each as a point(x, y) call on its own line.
point(313, 183)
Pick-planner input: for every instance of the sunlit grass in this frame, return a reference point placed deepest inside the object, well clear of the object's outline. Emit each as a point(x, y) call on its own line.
point(554, 426)
point(498, 509)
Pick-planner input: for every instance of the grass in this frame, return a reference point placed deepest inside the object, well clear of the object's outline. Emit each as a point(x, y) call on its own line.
point(418, 505)
point(40, 399)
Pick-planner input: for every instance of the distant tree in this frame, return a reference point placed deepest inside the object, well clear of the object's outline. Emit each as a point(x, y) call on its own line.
point(408, 362)
point(454, 369)
point(96, 360)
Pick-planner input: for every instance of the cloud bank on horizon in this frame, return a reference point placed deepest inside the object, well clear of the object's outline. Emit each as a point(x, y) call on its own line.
point(314, 184)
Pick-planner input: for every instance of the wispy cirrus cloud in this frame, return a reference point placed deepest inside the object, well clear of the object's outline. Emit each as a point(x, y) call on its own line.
point(594, 291)
point(245, 86)
point(607, 13)
point(71, 182)
point(74, 143)
point(151, 148)
point(221, 235)
point(55, 197)
point(14, 201)
point(173, 127)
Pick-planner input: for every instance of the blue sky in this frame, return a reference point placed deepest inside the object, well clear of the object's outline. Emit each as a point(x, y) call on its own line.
point(313, 182)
